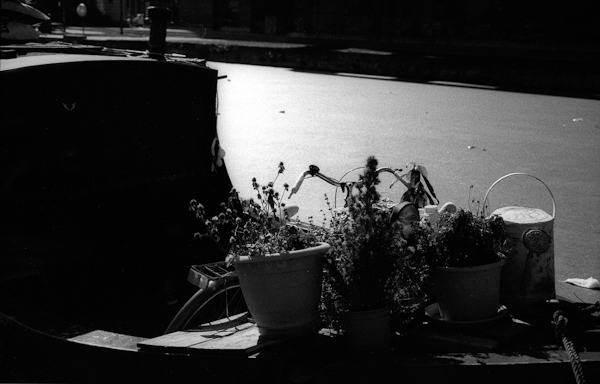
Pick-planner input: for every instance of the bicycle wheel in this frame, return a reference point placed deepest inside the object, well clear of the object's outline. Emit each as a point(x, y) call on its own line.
point(208, 306)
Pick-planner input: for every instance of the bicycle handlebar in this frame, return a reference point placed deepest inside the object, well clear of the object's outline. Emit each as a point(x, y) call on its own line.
point(314, 171)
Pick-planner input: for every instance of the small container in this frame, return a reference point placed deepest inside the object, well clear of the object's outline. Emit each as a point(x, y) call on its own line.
point(431, 214)
point(448, 207)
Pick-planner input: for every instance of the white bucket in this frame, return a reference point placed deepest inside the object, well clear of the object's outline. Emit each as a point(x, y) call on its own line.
point(528, 275)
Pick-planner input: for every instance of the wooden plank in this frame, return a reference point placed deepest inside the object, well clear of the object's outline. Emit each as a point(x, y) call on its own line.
point(438, 337)
point(108, 339)
point(244, 341)
point(221, 324)
point(244, 338)
point(181, 340)
point(443, 340)
point(542, 356)
point(185, 339)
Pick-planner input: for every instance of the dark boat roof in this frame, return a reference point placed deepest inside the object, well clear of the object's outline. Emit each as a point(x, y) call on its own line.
point(102, 151)
point(35, 54)
point(37, 59)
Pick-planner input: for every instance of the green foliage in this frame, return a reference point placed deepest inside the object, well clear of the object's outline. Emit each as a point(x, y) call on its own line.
point(370, 265)
point(463, 239)
point(251, 227)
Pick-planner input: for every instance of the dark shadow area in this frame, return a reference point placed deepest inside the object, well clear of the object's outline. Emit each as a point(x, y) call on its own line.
point(94, 198)
point(556, 68)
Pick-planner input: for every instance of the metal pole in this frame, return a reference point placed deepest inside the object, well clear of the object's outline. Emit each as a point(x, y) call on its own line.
point(121, 22)
point(62, 7)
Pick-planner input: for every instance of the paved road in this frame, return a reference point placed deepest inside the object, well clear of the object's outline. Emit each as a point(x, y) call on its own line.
point(463, 135)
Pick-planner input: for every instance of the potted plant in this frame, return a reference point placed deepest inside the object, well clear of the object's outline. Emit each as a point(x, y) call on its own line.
point(279, 265)
point(466, 252)
point(365, 275)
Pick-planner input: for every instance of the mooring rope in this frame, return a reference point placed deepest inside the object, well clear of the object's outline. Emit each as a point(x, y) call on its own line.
point(562, 331)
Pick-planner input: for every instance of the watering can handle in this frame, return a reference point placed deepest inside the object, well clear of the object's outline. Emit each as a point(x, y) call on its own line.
point(514, 174)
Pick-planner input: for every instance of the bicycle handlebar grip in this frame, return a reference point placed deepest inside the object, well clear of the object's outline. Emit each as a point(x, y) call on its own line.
point(296, 186)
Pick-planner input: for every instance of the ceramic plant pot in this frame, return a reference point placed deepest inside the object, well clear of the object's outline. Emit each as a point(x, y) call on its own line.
point(368, 332)
point(468, 294)
point(282, 291)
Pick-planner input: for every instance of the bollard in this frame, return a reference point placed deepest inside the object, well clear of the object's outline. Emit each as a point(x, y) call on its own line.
point(159, 19)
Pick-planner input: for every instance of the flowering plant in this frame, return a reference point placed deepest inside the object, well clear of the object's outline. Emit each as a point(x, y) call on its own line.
point(463, 239)
point(370, 265)
point(254, 227)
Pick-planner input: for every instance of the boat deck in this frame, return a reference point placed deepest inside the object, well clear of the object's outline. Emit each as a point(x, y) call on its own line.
point(507, 346)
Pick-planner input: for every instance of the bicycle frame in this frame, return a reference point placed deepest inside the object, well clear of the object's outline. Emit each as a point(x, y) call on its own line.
point(411, 179)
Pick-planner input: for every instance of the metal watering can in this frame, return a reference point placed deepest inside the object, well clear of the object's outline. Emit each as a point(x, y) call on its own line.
point(527, 278)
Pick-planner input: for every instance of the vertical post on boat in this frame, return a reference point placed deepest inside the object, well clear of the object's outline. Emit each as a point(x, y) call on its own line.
point(159, 18)
point(121, 17)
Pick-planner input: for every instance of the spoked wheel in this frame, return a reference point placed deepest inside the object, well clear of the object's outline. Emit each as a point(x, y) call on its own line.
point(221, 305)
point(210, 307)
